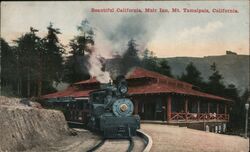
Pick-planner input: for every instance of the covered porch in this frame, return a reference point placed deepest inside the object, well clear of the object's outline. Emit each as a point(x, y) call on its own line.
point(175, 108)
point(184, 108)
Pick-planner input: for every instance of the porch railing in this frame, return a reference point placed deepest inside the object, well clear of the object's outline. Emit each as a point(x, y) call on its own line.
point(178, 116)
point(198, 116)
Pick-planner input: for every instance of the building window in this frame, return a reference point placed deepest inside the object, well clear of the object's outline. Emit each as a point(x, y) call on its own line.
point(192, 106)
point(158, 106)
point(221, 108)
point(213, 107)
point(203, 107)
point(178, 104)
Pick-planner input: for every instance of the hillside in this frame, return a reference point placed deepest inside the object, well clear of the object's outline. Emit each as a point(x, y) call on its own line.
point(234, 68)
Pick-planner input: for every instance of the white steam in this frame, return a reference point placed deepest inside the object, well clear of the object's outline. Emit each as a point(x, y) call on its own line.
point(119, 29)
point(95, 68)
point(96, 65)
point(111, 39)
point(96, 52)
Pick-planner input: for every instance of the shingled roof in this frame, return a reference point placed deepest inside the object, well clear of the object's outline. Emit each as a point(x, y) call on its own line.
point(162, 84)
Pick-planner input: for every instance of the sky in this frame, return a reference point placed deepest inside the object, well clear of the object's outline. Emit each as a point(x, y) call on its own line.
point(166, 34)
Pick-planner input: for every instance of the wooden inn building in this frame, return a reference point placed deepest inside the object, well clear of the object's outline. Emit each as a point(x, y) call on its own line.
point(157, 99)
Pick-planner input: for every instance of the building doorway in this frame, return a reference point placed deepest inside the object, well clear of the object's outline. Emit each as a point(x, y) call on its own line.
point(151, 108)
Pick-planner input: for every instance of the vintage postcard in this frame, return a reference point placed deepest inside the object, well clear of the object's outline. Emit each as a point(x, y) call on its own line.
point(159, 76)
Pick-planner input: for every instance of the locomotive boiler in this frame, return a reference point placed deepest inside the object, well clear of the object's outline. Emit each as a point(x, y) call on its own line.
point(111, 112)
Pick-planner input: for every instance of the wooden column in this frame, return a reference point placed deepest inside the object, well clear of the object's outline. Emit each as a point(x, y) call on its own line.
point(226, 115)
point(225, 109)
point(169, 100)
point(208, 107)
point(186, 108)
point(198, 110)
point(217, 108)
point(136, 107)
point(164, 106)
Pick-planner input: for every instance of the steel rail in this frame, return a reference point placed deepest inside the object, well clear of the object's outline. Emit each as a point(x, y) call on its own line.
point(131, 145)
point(97, 146)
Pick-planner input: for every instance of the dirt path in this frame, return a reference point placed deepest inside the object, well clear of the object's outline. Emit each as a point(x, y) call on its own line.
point(178, 139)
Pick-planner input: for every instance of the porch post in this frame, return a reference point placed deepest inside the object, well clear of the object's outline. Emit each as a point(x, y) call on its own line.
point(225, 109)
point(226, 115)
point(217, 109)
point(136, 107)
point(208, 107)
point(164, 110)
point(186, 108)
point(169, 100)
point(198, 110)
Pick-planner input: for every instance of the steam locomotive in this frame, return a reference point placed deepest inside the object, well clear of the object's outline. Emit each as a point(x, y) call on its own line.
point(111, 112)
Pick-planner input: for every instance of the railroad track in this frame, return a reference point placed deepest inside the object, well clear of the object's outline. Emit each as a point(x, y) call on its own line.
point(131, 145)
point(102, 145)
point(140, 143)
point(97, 146)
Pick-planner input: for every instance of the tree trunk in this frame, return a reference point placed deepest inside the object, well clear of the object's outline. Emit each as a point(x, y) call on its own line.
point(39, 81)
point(28, 84)
point(39, 87)
point(18, 86)
point(34, 90)
point(21, 87)
point(19, 78)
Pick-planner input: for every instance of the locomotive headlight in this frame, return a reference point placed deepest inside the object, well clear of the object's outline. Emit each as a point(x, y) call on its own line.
point(123, 107)
point(123, 89)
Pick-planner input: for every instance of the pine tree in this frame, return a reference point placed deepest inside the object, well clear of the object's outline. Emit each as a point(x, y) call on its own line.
point(215, 84)
point(237, 116)
point(130, 58)
point(149, 61)
point(8, 72)
point(75, 66)
point(131, 50)
point(231, 92)
point(51, 62)
point(164, 68)
point(27, 54)
point(192, 75)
